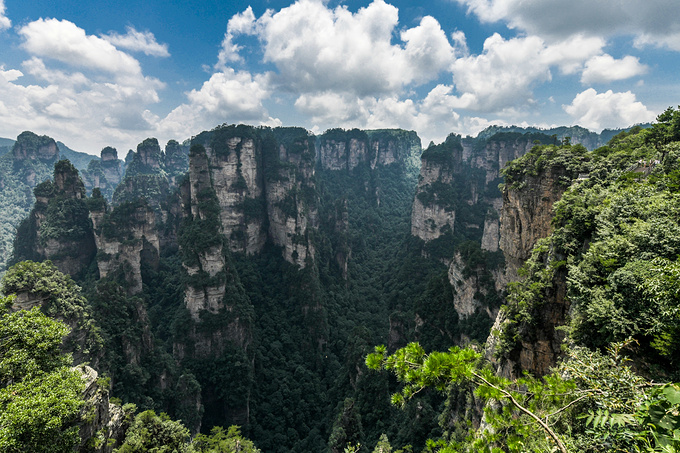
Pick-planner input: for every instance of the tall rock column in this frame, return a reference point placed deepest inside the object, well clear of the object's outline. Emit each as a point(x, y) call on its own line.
point(292, 199)
point(434, 207)
point(526, 215)
point(201, 239)
point(235, 158)
point(533, 184)
point(59, 227)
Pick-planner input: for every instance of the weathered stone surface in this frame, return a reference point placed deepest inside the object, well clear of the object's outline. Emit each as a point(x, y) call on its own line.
point(465, 289)
point(138, 237)
point(491, 235)
point(291, 214)
point(103, 425)
point(526, 217)
point(346, 150)
point(71, 252)
point(235, 178)
point(427, 222)
point(30, 146)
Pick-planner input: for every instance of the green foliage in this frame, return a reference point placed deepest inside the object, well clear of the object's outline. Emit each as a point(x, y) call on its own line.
point(444, 153)
point(59, 297)
point(30, 346)
point(155, 433)
point(146, 160)
point(564, 161)
point(119, 223)
point(665, 130)
point(40, 415)
point(525, 403)
point(202, 232)
point(66, 219)
point(592, 402)
point(600, 225)
point(45, 189)
point(150, 187)
point(40, 396)
point(661, 414)
point(220, 441)
point(16, 199)
point(347, 429)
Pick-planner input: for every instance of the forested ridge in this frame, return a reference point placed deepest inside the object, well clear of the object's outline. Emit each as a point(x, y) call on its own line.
point(244, 280)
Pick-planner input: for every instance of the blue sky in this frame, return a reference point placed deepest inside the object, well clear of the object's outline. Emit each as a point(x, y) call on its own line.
point(114, 72)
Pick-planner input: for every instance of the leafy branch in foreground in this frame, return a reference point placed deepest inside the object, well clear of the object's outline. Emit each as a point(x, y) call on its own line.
point(529, 400)
point(591, 402)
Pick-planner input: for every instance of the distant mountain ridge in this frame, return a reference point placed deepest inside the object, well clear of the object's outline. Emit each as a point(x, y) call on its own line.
point(6, 145)
point(577, 134)
point(79, 159)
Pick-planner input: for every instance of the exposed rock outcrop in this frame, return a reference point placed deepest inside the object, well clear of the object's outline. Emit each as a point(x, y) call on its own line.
point(212, 287)
point(532, 187)
point(526, 215)
point(30, 146)
point(105, 173)
point(103, 423)
point(292, 201)
point(34, 157)
point(338, 149)
point(265, 184)
point(175, 161)
point(469, 288)
point(125, 236)
point(434, 207)
point(236, 173)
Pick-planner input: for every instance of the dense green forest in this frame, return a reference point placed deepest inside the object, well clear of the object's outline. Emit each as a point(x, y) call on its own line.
point(244, 280)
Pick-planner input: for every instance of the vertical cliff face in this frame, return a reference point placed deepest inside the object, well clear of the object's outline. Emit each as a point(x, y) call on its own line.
point(236, 172)
point(125, 236)
point(434, 207)
point(175, 161)
point(338, 149)
point(58, 227)
point(292, 200)
point(526, 215)
point(218, 328)
point(264, 180)
point(103, 423)
point(105, 173)
point(204, 261)
point(471, 284)
point(532, 185)
point(457, 213)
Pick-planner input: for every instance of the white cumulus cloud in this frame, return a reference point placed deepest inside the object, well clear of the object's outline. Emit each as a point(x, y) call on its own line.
point(83, 90)
point(317, 49)
point(240, 24)
point(4, 20)
point(653, 23)
point(64, 41)
point(138, 41)
point(597, 111)
point(227, 97)
point(502, 75)
point(605, 68)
